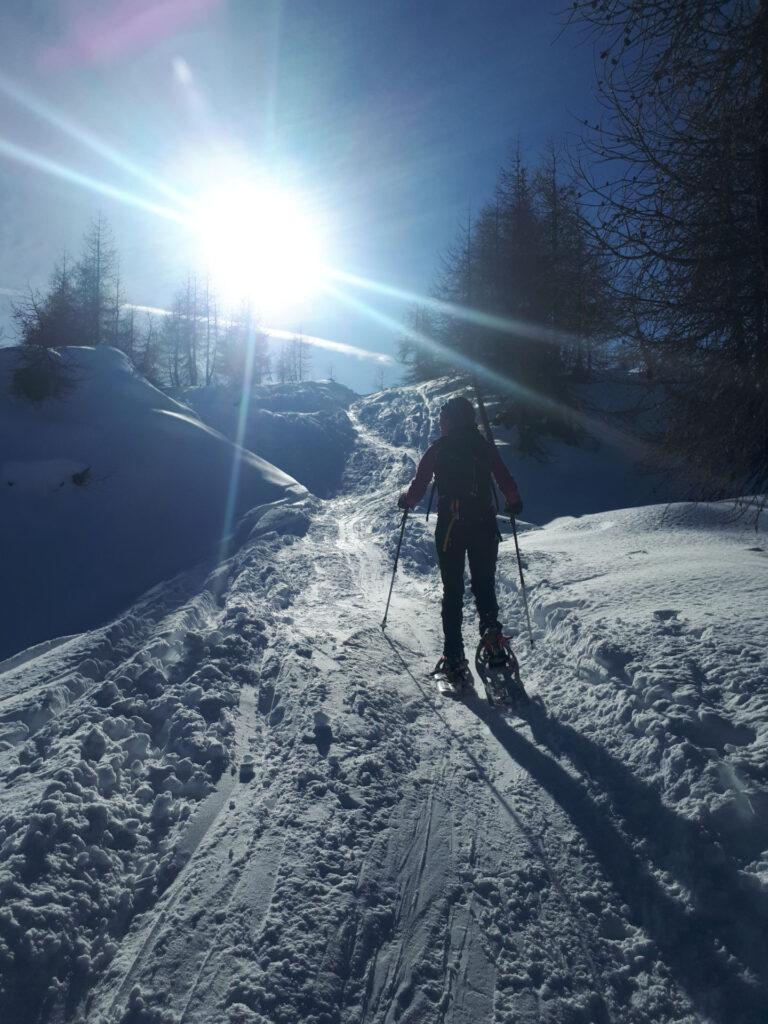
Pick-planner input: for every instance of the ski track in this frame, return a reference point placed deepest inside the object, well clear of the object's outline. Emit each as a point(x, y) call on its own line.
point(391, 857)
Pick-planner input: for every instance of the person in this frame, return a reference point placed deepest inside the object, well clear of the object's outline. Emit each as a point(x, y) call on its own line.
point(463, 462)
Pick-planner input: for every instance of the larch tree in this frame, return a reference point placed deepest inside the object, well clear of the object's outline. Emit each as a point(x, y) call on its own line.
point(677, 171)
point(95, 282)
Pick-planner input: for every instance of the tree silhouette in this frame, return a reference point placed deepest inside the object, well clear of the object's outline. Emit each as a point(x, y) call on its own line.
point(684, 88)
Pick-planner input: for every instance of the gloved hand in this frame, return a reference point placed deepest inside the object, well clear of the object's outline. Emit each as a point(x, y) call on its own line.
point(402, 502)
point(514, 508)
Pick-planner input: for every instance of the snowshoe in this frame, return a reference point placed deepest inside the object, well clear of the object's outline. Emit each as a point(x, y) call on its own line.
point(498, 668)
point(453, 678)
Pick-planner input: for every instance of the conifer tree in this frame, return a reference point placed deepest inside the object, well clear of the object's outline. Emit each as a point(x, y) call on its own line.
point(283, 363)
point(526, 262)
point(301, 358)
point(419, 348)
point(53, 319)
point(245, 358)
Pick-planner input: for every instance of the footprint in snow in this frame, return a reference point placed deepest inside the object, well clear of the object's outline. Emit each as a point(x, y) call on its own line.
point(710, 729)
point(665, 614)
point(670, 620)
point(323, 735)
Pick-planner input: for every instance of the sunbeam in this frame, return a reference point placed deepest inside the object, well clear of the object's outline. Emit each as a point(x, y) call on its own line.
point(457, 359)
point(505, 324)
point(57, 170)
point(68, 127)
point(237, 454)
point(507, 385)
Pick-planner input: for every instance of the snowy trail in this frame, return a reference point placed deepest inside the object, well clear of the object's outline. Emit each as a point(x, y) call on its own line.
point(391, 860)
point(378, 855)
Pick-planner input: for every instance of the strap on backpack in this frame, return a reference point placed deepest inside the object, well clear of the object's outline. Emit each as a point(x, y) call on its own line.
point(454, 518)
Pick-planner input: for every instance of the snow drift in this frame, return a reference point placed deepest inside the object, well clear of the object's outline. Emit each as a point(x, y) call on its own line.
point(107, 491)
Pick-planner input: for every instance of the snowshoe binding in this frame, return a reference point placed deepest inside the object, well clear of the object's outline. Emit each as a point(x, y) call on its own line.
point(498, 668)
point(453, 677)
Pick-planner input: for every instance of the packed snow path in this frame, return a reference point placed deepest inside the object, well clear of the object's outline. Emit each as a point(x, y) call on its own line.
point(376, 854)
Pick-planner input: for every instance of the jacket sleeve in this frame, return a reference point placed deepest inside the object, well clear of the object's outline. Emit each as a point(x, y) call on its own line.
point(420, 482)
point(504, 478)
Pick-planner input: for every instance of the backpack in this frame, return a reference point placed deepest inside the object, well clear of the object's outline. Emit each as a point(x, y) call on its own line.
point(463, 475)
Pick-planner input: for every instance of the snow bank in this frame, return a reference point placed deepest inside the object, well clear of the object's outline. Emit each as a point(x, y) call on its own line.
point(109, 743)
point(105, 492)
point(302, 428)
point(654, 663)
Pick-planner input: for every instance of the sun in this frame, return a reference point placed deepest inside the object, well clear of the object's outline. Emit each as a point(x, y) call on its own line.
point(260, 245)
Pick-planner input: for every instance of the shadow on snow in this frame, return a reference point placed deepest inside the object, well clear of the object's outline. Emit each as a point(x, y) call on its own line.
point(729, 916)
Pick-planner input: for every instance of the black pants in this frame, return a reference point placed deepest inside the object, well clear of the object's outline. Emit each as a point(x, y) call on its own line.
point(479, 542)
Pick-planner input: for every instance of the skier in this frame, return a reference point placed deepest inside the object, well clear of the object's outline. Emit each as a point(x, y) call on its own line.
point(462, 463)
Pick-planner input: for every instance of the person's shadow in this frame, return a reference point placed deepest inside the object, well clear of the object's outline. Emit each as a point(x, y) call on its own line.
point(717, 947)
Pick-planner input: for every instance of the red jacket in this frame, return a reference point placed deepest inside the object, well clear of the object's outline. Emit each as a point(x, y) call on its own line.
point(426, 469)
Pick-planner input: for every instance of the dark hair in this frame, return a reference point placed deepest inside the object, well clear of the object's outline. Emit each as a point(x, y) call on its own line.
point(458, 412)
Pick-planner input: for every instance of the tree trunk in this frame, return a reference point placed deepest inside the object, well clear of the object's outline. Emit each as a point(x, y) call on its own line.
point(761, 29)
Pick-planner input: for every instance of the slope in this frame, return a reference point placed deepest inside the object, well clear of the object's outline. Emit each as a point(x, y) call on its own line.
point(107, 491)
point(316, 838)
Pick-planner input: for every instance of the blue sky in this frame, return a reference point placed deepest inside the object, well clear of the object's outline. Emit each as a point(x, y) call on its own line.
point(389, 118)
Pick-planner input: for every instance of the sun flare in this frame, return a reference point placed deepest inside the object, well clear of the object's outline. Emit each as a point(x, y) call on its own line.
point(259, 244)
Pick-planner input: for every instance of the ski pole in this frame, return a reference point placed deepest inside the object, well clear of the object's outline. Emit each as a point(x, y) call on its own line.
point(522, 581)
point(394, 570)
point(489, 435)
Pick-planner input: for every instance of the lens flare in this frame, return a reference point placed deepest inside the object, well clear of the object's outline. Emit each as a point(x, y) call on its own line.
point(68, 126)
point(468, 314)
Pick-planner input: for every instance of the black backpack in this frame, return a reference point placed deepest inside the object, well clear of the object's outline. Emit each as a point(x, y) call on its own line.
point(463, 474)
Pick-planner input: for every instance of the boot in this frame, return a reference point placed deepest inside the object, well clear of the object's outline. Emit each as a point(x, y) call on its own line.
point(455, 670)
point(495, 646)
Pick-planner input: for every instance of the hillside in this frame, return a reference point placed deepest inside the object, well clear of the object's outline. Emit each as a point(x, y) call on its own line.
point(241, 801)
point(107, 491)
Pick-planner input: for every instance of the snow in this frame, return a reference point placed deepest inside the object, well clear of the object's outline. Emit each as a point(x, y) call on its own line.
point(303, 428)
point(42, 476)
point(107, 492)
point(241, 801)
point(662, 611)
